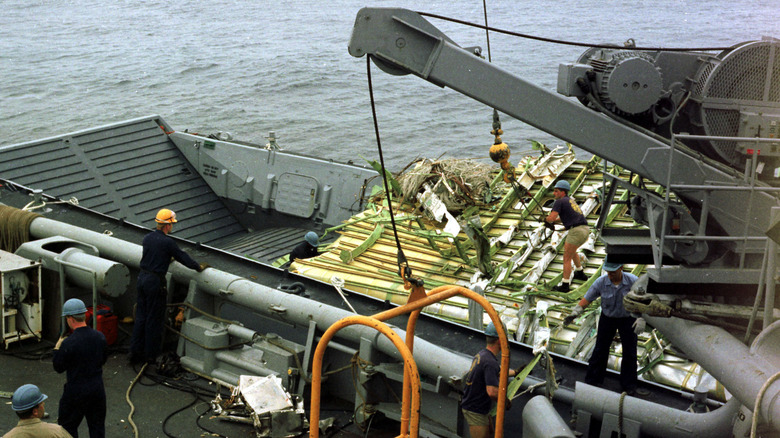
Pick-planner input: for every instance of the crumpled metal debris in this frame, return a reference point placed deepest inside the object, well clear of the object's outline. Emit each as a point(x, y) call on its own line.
point(265, 404)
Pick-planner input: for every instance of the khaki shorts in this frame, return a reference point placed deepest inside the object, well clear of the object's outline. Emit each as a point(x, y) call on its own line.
point(475, 419)
point(578, 235)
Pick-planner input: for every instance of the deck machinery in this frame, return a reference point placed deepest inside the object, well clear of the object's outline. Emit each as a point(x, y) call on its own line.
point(705, 126)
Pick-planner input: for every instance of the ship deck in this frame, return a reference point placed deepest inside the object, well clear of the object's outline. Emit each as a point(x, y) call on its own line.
point(179, 406)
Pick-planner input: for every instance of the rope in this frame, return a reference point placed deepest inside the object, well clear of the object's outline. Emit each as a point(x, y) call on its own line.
point(569, 43)
point(757, 407)
point(403, 269)
point(487, 29)
point(132, 406)
point(14, 227)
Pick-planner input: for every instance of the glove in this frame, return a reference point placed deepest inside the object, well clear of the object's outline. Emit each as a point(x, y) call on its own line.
point(577, 311)
point(179, 320)
point(549, 225)
point(203, 267)
point(639, 326)
point(59, 342)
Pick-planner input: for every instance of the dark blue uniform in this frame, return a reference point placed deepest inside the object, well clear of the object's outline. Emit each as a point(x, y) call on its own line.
point(82, 355)
point(158, 249)
point(303, 251)
point(614, 318)
point(483, 373)
point(569, 212)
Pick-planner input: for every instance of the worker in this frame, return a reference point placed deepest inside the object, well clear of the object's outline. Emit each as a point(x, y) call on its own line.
point(614, 318)
point(306, 249)
point(566, 209)
point(158, 251)
point(81, 355)
point(28, 403)
point(481, 390)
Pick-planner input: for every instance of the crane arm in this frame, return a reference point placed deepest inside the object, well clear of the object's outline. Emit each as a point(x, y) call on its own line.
point(402, 42)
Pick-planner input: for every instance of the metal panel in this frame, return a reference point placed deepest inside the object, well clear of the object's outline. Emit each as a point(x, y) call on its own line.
point(296, 195)
point(126, 170)
point(265, 246)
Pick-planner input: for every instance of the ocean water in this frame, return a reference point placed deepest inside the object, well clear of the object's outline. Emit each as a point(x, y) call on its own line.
point(253, 67)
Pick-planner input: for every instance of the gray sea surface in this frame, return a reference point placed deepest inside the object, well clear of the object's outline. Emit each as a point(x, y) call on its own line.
point(250, 67)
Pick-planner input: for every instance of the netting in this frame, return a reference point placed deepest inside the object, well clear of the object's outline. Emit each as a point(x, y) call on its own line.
point(458, 183)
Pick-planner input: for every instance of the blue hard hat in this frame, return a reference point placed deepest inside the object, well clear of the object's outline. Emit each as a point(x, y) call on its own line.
point(312, 238)
point(73, 306)
point(490, 330)
point(563, 185)
point(27, 397)
point(611, 267)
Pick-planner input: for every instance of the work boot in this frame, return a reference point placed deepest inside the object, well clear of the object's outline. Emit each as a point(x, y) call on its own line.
point(580, 275)
point(563, 287)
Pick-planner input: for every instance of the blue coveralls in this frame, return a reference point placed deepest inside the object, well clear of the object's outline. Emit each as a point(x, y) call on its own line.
point(614, 318)
point(158, 249)
point(82, 355)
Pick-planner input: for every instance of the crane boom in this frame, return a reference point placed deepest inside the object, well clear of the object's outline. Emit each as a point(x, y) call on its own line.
point(401, 42)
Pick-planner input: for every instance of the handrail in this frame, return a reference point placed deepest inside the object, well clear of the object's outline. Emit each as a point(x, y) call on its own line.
point(409, 366)
point(442, 293)
point(750, 177)
point(417, 300)
point(61, 263)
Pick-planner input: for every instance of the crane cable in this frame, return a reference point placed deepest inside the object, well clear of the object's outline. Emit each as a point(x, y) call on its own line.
point(509, 172)
point(570, 43)
point(404, 271)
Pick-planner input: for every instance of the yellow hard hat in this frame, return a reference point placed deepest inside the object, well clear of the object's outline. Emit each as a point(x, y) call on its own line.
point(165, 216)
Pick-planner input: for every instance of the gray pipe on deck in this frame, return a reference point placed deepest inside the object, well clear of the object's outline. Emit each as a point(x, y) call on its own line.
point(431, 360)
point(657, 420)
point(741, 370)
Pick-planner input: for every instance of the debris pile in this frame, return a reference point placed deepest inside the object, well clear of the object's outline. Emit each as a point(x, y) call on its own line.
point(457, 183)
point(459, 224)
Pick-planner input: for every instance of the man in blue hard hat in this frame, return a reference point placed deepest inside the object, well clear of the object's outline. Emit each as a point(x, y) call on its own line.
point(481, 386)
point(569, 213)
point(611, 288)
point(158, 251)
point(28, 403)
point(81, 356)
point(306, 249)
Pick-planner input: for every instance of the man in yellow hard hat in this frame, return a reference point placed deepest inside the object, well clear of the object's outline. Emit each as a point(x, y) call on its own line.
point(158, 250)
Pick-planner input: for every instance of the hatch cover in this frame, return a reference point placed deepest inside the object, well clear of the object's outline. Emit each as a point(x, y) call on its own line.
point(296, 195)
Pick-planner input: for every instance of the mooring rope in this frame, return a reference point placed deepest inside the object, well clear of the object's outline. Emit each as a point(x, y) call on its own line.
point(14, 227)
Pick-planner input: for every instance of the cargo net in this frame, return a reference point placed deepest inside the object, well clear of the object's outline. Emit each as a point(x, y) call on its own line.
point(457, 183)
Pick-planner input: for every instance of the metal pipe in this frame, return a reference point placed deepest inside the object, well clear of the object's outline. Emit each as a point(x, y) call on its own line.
point(759, 294)
point(692, 187)
point(541, 420)
point(657, 420)
point(242, 333)
point(742, 371)
point(771, 273)
point(266, 301)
